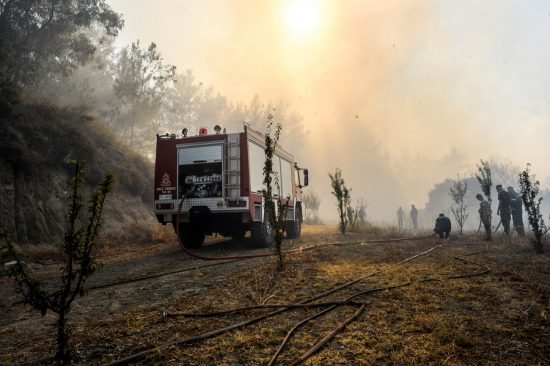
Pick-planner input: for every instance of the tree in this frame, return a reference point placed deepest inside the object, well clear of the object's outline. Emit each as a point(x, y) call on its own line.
point(276, 217)
point(254, 113)
point(141, 80)
point(311, 201)
point(182, 100)
point(457, 193)
point(90, 84)
point(530, 188)
point(79, 262)
point(484, 177)
point(48, 37)
point(343, 198)
point(485, 181)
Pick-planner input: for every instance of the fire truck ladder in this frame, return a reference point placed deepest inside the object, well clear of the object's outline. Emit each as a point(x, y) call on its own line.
point(233, 167)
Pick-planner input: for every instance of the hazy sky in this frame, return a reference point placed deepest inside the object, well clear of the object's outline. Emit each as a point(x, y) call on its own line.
point(398, 94)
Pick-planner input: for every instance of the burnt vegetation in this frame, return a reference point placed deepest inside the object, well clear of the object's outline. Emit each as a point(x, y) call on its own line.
point(376, 295)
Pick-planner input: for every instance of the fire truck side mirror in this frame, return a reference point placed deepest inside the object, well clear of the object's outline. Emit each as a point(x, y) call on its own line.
point(306, 177)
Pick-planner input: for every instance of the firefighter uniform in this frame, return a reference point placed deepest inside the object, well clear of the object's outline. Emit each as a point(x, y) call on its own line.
point(400, 217)
point(442, 226)
point(516, 206)
point(485, 216)
point(504, 209)
point(414, 217)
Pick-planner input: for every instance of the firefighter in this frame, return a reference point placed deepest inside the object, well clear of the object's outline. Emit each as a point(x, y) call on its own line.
point(516, 206)
point(485, 215)
point(362, 214)
point(504, 208)
point(400, 217)
point(414, 216)
point(442, 226)
point(350, 215)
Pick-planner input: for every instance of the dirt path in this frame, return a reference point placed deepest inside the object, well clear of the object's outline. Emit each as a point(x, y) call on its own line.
point(457, 322)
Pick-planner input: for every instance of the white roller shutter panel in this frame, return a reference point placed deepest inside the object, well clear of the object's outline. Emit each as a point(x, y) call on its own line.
point(200, 154)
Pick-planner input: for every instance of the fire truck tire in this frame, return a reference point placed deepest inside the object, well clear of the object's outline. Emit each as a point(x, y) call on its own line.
point(262, 233)
point(294, 228)
point(238, 233)
point(191, 236)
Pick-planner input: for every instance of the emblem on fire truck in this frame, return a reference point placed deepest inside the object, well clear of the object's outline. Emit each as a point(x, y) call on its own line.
point(166, 182)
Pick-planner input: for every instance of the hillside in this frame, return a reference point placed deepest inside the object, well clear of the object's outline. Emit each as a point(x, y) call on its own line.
point(37, 143)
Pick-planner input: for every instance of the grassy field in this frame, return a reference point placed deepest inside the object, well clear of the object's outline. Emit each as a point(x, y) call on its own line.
point(496, 317)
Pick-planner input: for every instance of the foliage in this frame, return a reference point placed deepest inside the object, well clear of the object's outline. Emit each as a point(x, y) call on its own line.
point(90, 84)
point(9, 98)
point(503, 171)
point(47, 37)
point(457, 193)
point(277, 217)
point(79, 263)
point(311, 201)
point(36, 146)
point(530, 187)
point(42, 136)
point(191, 104)
point(484, 177)
point(343, 198)
point(141, 81)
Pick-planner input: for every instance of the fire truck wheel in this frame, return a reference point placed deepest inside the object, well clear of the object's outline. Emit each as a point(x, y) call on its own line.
point(191, 236)
point(262, 233)
point(294, 228)
point(238, 233)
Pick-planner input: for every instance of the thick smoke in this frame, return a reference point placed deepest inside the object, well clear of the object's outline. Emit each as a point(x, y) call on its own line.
point(399, 95)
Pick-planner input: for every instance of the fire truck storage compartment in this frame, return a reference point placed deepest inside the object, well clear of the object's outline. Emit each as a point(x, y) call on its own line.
point(200, 171)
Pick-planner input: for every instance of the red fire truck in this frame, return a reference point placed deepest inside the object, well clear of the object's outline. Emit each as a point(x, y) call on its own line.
point(220, 177)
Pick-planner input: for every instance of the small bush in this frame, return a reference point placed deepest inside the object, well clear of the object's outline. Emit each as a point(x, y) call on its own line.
point(343, 198)
point(530, 188)
point(79, 263)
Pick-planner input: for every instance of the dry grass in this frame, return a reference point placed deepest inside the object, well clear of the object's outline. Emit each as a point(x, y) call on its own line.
point(500, 318)
point(378, 231)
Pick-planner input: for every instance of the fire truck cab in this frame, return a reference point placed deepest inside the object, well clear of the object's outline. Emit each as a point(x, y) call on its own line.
point(219, 176)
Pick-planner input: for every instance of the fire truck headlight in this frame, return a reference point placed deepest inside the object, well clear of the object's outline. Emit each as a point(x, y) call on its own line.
point(184, 132)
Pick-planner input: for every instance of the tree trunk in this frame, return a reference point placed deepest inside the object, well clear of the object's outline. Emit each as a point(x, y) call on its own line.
point(62, 356)
point(18, 206)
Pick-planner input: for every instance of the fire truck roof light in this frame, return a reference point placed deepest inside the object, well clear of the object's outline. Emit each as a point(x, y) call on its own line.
point(184, 132)
point(217, 128)
point(203, 131)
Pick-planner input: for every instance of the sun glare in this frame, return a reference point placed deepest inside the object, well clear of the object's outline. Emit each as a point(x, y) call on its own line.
point(302, 17)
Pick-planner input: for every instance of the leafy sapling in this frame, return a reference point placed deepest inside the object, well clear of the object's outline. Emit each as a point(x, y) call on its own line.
point(276, 216)
point(78, 258)
point(484, 178)
point(457, 192)
point(530, 187)
point(343, 198)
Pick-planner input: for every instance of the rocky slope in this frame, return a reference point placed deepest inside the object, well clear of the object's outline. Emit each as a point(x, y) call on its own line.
point(37, 144)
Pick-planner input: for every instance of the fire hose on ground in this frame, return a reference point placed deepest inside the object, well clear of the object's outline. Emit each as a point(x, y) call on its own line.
point(140, 355)
point(308, 303)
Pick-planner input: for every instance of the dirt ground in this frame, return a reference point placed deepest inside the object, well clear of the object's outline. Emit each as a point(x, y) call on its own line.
point(501, 317)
